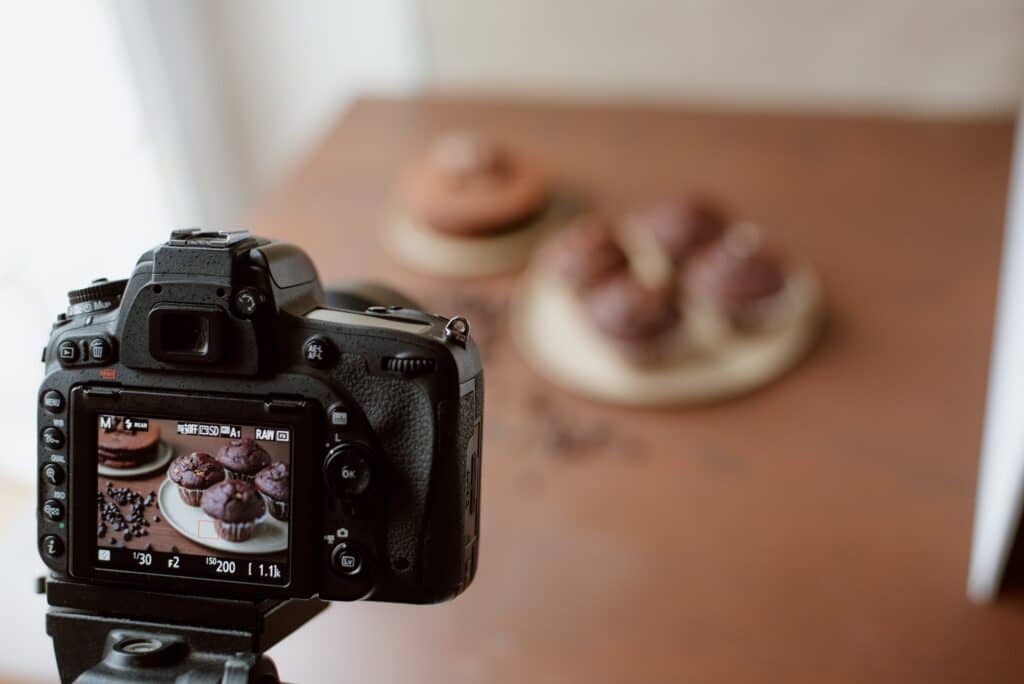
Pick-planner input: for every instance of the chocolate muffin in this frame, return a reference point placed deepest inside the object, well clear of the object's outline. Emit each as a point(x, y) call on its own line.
point(586, 253)
point(468, 185)
point(121, 448)
point(242, 459)
point(274, 483)
point(194, 473)
point(640, 319)
point(740, 278)
point(235, 507)
point(682, 227)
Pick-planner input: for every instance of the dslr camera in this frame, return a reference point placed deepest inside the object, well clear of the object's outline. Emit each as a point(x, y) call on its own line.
point(210, 427)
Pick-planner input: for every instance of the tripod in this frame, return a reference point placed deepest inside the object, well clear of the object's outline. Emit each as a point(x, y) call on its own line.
point(105, 635)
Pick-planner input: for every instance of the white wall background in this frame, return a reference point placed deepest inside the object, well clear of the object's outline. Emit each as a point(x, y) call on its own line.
point(920, 56)
point(287, 69)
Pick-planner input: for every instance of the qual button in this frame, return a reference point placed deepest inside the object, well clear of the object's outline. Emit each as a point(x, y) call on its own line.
point(53, 473)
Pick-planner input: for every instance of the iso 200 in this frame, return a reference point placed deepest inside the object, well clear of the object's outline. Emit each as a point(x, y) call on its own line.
point(226, 567)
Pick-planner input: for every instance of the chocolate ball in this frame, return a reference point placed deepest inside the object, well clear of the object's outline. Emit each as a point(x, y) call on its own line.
point(735, 275)
point(682, 227)
point(586, 253)
point(624, 308)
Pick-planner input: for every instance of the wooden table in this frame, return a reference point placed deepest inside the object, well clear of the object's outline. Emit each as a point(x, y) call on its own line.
point(815, 531)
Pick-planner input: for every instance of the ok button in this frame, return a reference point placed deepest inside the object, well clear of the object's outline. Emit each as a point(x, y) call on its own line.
point(347, 469)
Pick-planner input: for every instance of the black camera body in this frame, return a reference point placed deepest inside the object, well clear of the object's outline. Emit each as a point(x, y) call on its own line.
point(210, 427)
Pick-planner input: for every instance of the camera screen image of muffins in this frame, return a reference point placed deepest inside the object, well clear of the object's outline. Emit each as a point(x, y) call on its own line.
point(218, 507)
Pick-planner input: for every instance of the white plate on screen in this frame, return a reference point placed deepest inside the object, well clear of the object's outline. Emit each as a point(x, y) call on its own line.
point(165, 452)
point(270, 536)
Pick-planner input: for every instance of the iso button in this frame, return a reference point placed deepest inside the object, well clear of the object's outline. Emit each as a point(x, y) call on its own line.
point(54, 510)
point(347, 469)
point(53, 474)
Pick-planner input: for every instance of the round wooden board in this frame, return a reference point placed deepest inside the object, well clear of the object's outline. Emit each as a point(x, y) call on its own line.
point(554, 335)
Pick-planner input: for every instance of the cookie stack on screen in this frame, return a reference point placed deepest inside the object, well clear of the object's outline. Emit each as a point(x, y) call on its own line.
point(122, 448)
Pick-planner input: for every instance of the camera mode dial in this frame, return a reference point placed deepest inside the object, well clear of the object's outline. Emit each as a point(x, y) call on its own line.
point(101, 295)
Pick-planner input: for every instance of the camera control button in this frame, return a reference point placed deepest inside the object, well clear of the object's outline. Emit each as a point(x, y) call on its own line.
point(346, 560)
point(99, 350)
point(54, 510)
point(337, 416)
point(52, 546)
point(53, 473)
point(52, 438)
point(319, 352)
point(247, 301)
point(347, 469)
point(52, 401)
point(67, 352)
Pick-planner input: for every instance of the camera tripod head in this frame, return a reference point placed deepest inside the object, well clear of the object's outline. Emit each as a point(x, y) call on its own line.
point(104, 635)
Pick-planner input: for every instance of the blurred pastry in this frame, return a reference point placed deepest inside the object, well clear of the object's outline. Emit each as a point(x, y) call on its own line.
point(681, 227)
point(586, 252)
point(639, 319)
point(468, 185)
point(739, 279)
point(471, 205)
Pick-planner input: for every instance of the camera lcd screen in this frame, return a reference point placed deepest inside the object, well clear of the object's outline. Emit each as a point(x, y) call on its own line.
point(192, 498)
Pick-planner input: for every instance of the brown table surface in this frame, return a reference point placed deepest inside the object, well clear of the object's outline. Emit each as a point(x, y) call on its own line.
point(816, 530)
